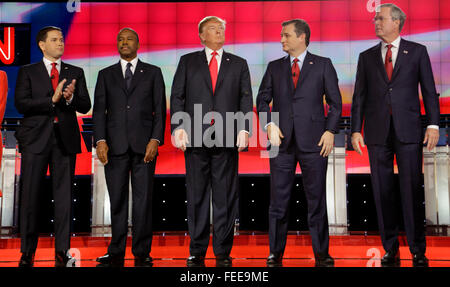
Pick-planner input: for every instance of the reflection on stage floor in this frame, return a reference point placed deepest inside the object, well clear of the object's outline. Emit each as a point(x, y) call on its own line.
point(250, 250)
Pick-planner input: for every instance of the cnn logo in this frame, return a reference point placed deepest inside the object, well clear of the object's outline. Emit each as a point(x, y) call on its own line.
point(7, 46)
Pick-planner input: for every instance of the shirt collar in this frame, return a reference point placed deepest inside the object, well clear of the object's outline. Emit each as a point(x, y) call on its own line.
point(395, 43)
point(209, 51)
point(125, 62)
point(47, 62)
point(301, 57)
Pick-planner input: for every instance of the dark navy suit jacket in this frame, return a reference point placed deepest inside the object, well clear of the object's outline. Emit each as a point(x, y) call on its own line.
point(129, 118)
point(233, 92)
point(33, 98)
point(301, 110)
point(375, 97)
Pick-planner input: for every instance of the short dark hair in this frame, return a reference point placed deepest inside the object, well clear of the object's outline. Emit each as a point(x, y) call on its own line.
point(300, 27)
point(42, 34)
point(129, 29)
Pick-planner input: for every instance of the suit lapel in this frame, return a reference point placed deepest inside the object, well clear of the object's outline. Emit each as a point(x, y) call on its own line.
point(402, 55)
point(137, 76)
point(376, 52)
point(287, 71)
point(64, 73)
point(43, 74)
point(118, 74)
point(224, 65)
point(308, 63)
point(204, 69)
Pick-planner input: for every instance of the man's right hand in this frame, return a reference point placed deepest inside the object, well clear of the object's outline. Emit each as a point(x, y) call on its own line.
point(102, 152)
point(58, 92)
point(181, 139)
point(357, 139)
point(274, 134)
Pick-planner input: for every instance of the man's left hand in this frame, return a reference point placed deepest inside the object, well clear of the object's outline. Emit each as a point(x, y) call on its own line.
point(326, 142)
point(68, 91)
point(242, 140)
point(151, 150)
point(432, 137)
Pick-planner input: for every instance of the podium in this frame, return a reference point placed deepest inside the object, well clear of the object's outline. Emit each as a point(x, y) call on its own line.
point(436, 182)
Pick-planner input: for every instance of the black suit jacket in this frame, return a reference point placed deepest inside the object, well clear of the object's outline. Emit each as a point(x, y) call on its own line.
point(129, 118)
point(192, 85)
point(375, 96)
point(301, 110)
point(33, 99)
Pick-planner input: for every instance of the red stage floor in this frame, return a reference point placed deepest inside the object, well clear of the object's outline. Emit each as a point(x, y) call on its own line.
point(248, 251)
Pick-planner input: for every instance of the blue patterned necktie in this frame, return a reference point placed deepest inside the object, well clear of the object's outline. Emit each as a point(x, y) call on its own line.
point(128, 75)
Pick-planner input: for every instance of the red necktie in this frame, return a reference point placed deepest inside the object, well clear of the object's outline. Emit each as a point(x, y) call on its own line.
point(295, 72)
point(54, 76)
point(388, 62)
point(213, 69)
point(55, 79)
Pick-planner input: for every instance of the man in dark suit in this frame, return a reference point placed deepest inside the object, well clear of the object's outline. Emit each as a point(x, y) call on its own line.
point(386, 98)
point(48, 94)
point(214, 81)
point(129, 116)
point(296, 85)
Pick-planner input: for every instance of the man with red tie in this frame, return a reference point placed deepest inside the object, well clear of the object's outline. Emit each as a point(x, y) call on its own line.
point(386, 99)
point(211, 80)
point(48, 94)
point(296, 84)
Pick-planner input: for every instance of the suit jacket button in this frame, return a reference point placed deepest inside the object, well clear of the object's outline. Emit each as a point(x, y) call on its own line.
point(128, 107)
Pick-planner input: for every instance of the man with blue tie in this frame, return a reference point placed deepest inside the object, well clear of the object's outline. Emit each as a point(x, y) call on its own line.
point(386, 99)
point(129, 120)
point(296, 84)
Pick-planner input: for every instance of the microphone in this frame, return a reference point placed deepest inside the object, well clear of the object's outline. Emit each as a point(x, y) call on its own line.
point(293, 75)
point(52, 77)
point(390, 59)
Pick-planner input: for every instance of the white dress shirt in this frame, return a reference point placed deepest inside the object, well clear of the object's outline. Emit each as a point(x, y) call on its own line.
point(219, 55)
point(394, 49)
point(301, 59)
point(124, 63)
point(48, 65)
